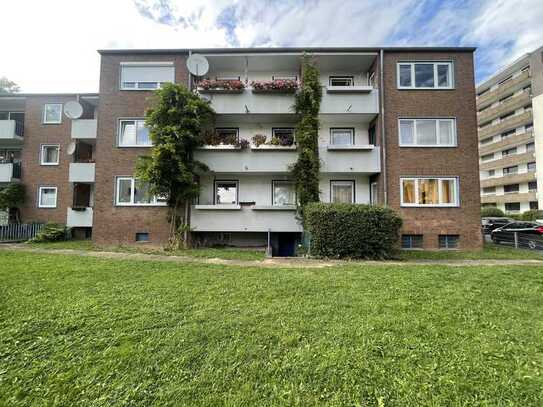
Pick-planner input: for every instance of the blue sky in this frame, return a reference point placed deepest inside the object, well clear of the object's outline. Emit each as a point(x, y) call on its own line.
point(57, 49)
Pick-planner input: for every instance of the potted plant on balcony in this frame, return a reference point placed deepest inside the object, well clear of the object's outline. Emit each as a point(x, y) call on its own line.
point(275, 86)
point(279, 141)
point(221, 86)
point(213, 140)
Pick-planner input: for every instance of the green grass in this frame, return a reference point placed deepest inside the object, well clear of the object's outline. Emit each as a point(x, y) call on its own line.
point(491, 251)
point(87, 331)
point(227, 253)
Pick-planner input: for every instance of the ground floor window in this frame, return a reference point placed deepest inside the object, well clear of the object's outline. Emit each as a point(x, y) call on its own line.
point(411, 241)
point(512, 206)
point(226, 192)
point(284, 193)
point(47, 197)
point(534, 205)
point(133, 192)
point(342, 191)
point(427, 191)
point(448, 241)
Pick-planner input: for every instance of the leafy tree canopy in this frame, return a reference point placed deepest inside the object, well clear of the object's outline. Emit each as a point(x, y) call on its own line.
point(7, 86)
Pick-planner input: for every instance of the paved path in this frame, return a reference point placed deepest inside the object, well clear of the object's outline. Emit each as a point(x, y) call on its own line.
point(275, 262)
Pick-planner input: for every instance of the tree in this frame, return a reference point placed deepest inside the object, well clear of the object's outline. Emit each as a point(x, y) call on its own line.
point(12, 197)
point(7, 86)
point(176, 125)
point(306, 169)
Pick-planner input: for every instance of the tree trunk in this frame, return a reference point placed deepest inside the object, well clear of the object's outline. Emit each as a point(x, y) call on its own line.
point(186, 226)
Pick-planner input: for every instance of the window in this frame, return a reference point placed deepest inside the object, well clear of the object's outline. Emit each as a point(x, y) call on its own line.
point(487, 157)
point(487, 140)
point(285, 136)
point(284, 77)
point(133, 192)
point(512, 206)
point(511, 189)
point(374, 193)
point(489, 190)
point(411, 241)
point(532, 186)
point(142, 236)
point(429, 192)
point(52, 113)
point(47, 197)
point(425, 75)
point(528, 127)
point(491, 173)
point(428, 132)
point(49, 154)
point(531, 166)
point(448, 241)
point(510, 170)
point(505, 80)
point(341, 81)
point(534, 205)
point(509, 151)
point(372, 138)
point(342, 191)
point(226, 192)
point(284, 193)
point(146, 76)
point(342, 137)
point(508, 134)
point(133, 133)
point(530, 147)
point(227, 136)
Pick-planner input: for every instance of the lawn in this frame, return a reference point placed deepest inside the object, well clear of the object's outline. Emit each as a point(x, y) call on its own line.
point(87, 331)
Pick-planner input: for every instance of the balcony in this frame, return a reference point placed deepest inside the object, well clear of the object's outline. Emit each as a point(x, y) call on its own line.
point(507, 87)
point(359, 159)
point(248, 102)
point(84, 129)
point(10, 172)
point(509, 123)
point(11, 131)
point(507, 161)
point(243, 219)
point(509, 105)
point(82, 172)
point(508, 179)
point(506, 198)
point(365, 103)
point(79, 217)
point(511, 141)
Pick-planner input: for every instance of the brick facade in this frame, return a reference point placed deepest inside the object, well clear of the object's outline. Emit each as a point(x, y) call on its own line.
point(114, 224)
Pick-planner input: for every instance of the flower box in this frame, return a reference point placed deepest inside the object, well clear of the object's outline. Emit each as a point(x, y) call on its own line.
point(271, 147)
point(275, 86)
point(221, 86)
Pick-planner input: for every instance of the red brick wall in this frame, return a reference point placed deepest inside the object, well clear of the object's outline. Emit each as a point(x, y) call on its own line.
point(461, 161)
point(113, 224)
point(33, 174)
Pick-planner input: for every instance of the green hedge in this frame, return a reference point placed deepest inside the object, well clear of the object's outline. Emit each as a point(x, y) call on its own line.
point(352, 230)
point(532, 215)
point(491, 212)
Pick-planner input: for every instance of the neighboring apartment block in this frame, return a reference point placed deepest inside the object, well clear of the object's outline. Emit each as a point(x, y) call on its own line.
point(398, 128)
point(507, 115)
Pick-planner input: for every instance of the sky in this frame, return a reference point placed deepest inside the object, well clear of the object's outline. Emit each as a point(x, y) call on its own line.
point(50, 45)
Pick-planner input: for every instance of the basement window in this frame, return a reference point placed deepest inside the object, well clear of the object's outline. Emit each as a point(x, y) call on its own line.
point(412, 241)
point(142, 237)
point(448, 241)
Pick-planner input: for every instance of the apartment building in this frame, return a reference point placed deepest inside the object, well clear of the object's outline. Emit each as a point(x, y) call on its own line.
point(398, 128)
point(506, 114)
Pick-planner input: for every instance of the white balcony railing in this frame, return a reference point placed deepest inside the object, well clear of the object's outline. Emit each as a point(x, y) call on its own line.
point(82, 172)
point(6, 172)
point(84, 129)
point(244, 219)
point(11, 130)
point(81, 217)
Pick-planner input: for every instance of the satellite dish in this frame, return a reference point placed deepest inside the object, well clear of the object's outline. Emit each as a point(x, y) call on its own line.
point(71, 148)
point(197, 65)
point(73, 109)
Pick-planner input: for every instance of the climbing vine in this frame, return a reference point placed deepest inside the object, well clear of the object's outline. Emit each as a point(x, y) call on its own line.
point(306, 169)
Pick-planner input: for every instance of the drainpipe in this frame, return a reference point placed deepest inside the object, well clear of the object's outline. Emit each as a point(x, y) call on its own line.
point(383, 133)
point(190, 75)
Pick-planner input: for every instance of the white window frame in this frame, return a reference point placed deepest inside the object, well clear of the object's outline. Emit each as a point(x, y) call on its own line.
point(120, 129)
point(40, 189)
point(143, 64)
point(42, 154)
point(435, 64)
point(275, 182)
point(230, 181)
point(352, 183)
point(44, 115)
point(344, 130)
point(341, 77)
point(156, 200)
point(438, 135)
point(454, 204)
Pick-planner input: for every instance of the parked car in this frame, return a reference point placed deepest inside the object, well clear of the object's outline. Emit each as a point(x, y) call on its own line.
point(488, 224)
point(529, 234)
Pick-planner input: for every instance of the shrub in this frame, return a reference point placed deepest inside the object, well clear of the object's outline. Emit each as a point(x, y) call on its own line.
point(352, 230)
point(51, 232)
point(491, 212)
point(259, 139)
point(532, 215)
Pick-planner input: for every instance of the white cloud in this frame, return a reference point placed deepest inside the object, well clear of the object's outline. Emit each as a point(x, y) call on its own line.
point(50, 46)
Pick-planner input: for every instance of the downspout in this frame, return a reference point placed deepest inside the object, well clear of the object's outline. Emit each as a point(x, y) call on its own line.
point(383, 133)
point(190, 75)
